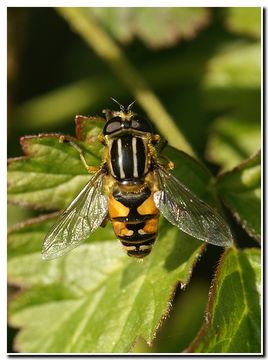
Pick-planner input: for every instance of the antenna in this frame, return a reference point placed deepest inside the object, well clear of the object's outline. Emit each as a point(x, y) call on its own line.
point(122, 108)
point(130, 105)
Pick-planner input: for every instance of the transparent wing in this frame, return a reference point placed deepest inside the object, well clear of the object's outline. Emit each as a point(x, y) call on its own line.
point(84, 215)
point(185, 210)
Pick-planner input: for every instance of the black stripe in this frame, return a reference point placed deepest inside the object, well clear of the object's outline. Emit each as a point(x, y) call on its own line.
point(136, 220)
point(141, 156)
point(127, 156)
point(138, 237)
point(114, 159)
point(139, 253)
point(134, 243)
point(135, 227)
point(132, 200)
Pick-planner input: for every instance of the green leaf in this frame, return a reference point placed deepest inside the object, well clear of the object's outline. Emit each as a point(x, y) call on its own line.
point(233, 323)
point(236, 135)
point(244, 20)
point(233, 139)
point(16, 214)
point(52, 173)
point(233, 79)
point(229, 66)
point(240, 190)
point(95, 299)
point(24, 238)
point(156, 27)
point(184, 322)
point(190, 305)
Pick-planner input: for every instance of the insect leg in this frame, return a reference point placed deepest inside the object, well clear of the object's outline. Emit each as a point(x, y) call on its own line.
point(108, 114)
point(90, 169)
point(155, 138)
point(151, 146)
point(155, 145)
point(101, 138)
point(105, 221)
point(159, 142)
point(169, 165)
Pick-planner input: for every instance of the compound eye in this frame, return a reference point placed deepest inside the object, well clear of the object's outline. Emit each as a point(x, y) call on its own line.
point(135, 124)
point(140, 124)
point(112, 126)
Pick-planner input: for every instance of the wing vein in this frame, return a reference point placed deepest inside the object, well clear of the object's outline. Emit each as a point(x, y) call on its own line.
point(185, 210)
point(83, 216)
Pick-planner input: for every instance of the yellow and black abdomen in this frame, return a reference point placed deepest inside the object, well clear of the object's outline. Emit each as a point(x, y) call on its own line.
point(135, 220)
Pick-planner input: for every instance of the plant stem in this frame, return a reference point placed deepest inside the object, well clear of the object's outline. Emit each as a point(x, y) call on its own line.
point(82, 22)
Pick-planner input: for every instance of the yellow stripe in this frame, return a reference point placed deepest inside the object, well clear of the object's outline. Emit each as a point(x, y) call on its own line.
point(120, 159)
point(135, 160)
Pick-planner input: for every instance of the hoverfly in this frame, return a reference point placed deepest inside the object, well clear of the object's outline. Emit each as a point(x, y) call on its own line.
point(131, 188)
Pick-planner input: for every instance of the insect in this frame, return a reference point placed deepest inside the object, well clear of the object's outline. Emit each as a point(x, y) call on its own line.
point(131, 188)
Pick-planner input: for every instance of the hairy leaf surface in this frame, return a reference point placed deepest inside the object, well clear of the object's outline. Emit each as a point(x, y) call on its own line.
point(234, 313)
point(95, 299)
point(52, 173)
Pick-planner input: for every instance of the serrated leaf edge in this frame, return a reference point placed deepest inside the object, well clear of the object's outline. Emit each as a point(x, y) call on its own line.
point(213, 289)
point(171, 297)
point(251, 232)
point(240, 166)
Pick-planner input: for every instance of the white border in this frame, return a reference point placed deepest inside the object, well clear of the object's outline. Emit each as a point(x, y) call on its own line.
point(3, 107)
point(3, 157)
point(136, 3)
point(262, 187)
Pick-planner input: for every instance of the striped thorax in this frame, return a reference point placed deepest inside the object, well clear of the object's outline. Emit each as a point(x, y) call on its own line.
point(128, 157)
point(131, 207)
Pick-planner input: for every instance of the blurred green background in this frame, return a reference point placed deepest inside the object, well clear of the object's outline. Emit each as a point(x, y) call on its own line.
point(203, 64)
